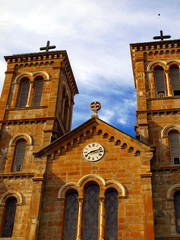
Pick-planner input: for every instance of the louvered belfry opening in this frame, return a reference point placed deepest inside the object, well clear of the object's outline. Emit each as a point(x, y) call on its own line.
point(159, 78)
point(9, 217)
point(19, 156)
point(38, 87)
point(24, 91)
point(175, 79)
point(71, 214)
point(174, 144)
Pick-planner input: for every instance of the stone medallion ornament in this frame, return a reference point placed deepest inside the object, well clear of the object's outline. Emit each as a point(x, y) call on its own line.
point(93, 152)
point(95, 107)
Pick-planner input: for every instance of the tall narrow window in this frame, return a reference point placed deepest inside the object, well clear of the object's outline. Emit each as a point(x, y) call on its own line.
point(24, 91)
point(9, 217)
point(159, 81)
point(175, 79)
point(37, 92)
point(66, 111)
point(177, 209)
point(19, 156)
point(111, 214)
point(174, 144)
point(91, 213)
point(71, 213)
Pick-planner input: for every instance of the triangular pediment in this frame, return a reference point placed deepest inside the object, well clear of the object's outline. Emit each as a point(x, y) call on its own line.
point(95, 130)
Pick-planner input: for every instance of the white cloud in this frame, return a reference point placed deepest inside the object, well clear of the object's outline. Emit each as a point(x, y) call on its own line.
point(96, 35)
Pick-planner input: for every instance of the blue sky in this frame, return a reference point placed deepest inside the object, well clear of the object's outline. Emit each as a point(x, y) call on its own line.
point(96, 35)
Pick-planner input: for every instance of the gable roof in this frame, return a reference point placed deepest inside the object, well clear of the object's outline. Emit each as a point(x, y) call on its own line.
point(78, 131)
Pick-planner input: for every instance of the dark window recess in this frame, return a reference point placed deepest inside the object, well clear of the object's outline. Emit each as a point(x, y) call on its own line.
point(9, 217)
point(71, 213)
point(174, 144)
point(19, 156)
point(91, 213)
point(159, 81)
point(37, 92)
point(176, 160)
point(112, 215)
point(177, 209)
point(176, 92)
point(175, 79)
point(23, 96)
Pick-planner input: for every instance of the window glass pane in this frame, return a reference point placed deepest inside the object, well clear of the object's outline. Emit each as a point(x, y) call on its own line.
point(9, 217)
point(37, 92)
point(177, 209)
point(71, 213)
point(24, 93)
point(91, 213)
point(19, 156)
point(175, 81)
point(174, 144)
point(112, 215)
point(159, 80)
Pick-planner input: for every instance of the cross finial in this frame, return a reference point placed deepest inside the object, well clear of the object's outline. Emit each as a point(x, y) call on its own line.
point(95, 107)
point(47, 47)
point(162, 37)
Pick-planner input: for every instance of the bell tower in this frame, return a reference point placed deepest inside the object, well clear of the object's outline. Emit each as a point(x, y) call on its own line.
point(36, 102)
point(157, 81)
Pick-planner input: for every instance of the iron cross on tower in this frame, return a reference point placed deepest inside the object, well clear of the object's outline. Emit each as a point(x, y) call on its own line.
point(47, 47)
point(162, 37)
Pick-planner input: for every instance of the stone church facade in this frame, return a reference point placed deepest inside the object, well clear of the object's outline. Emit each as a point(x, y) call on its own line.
point(95, 181)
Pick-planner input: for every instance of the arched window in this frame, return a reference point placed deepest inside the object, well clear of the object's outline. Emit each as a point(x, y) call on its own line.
point(23, 94)
point(175, 79)
point(177, 209)
point(19, 156)
point(71, 213)
point(66, 110)
point(159, 78)
point(37, 92)
point(111, 214)
point(9, 217)
point(91, 212)
point(174, 144)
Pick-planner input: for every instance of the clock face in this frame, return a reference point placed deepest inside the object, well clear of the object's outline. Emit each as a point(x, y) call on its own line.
point(93, 152)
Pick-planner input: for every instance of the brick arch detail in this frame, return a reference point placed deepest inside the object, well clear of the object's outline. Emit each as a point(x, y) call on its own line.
point(170, 192)
point(62, 191)
point(173, 62)
point(118, 186)
point(44, 74)
point(9, 194)
point(96, 178)
point(26, 74)
point(165, 131)
point(155, 63)
point(25, 136)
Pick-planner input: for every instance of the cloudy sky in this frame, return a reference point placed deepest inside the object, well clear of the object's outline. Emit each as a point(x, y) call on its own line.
point(96, 35)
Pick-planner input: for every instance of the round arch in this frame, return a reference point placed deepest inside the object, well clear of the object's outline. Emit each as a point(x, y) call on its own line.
point(25, 136)
point(165, 131)
point(155, 63)
point(118, 186)
point(22, 75)
point(43, 74)
point(62, 191)
point(170, 192)
point(9, 194)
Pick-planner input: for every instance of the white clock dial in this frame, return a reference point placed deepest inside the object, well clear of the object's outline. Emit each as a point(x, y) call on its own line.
point(93, 152)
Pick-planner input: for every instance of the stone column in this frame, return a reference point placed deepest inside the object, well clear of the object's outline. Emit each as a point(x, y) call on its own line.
point(101, 222)
point(79, 222)
point(35, 204)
